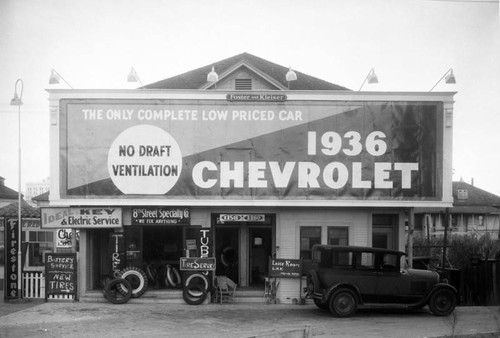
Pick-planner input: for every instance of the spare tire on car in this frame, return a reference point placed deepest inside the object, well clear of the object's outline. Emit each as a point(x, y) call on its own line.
point(137, 279)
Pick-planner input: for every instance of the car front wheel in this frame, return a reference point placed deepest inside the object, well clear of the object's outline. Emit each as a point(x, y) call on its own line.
point(343, 303)
point(442, 302)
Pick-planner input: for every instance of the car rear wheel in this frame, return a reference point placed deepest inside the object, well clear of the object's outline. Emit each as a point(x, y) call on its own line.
point(343, 303)
point(442, 302)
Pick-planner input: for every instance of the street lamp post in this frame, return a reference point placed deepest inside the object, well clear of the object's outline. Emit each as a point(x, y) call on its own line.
point(17, 101)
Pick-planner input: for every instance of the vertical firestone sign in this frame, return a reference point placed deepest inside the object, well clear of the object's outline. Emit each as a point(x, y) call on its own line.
point(11, 259)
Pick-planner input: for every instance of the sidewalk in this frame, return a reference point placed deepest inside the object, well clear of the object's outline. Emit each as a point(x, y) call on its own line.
point(58, 319)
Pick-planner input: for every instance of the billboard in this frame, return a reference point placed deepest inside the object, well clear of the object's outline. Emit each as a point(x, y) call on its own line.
point(251, 150)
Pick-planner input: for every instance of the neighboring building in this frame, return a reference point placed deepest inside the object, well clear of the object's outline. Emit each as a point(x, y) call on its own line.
point(36, 188)
point(7, 195)
point(243, 168)
point(30, 221)
point(474, 211)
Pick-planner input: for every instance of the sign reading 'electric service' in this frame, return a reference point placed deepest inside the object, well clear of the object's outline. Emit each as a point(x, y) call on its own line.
point(246, 150)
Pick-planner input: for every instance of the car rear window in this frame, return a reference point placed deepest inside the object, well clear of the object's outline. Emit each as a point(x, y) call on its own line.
point(333, 258)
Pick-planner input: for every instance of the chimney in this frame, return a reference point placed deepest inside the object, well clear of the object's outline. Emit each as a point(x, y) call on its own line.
point(472, 181)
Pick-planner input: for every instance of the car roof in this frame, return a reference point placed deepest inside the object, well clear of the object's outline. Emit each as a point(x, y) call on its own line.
point(356, 248)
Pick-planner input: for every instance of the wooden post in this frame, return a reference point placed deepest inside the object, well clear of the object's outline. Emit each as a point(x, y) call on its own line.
point(411, 221)
point(73, 240)
point(445, 238)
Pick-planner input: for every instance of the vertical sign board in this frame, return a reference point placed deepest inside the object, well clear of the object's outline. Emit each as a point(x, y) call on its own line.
point(11, 258)
point(60, 274)
point(117, 246)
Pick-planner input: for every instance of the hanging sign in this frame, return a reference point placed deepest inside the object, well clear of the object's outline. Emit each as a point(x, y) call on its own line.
point(197, 264)
point(11, 258)
point(257, 218)
point(161, 216)
point(256, 97)
point(81, 218)
point(285, 268)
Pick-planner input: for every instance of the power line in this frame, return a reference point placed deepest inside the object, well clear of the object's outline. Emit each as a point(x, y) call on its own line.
point(476, 1)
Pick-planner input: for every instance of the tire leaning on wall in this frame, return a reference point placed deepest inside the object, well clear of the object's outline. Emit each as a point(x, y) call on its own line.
point(137, 279)
point(173, 276)
point(196, 288)
point(112, 294)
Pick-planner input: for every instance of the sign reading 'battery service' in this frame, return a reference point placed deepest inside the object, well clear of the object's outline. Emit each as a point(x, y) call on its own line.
point(239, 149)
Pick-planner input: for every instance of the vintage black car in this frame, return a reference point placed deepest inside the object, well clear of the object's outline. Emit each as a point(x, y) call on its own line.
point(342, 277)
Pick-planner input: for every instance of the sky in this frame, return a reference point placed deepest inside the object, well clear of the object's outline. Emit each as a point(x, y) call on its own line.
point(410, 44)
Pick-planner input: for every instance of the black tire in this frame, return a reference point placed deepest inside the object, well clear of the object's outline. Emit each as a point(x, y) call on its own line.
point(322, 306)
point(442, 302)
point(112, 293)
point(343, 303)
point(137, 279)
point(173, 276)
point(151, 273)
point(191, 290)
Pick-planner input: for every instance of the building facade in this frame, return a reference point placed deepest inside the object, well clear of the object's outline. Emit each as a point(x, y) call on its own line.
point(474, 211)
point(34, 189)
point(244, 169)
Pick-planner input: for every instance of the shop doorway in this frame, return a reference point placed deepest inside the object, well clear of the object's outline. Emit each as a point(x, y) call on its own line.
point(244, 244)
point(227, 252)
point(260, 249)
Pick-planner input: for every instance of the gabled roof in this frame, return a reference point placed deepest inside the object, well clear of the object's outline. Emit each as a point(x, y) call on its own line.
point(475, 196)
point(477, 201)
point(197, 78)
point(6, 193)
point(27, 211)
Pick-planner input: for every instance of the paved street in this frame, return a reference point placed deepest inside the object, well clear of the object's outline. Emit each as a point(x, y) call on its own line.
point(57, 319)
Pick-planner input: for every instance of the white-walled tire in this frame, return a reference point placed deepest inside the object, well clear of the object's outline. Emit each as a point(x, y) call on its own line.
point(137, 279)
point(197, 279)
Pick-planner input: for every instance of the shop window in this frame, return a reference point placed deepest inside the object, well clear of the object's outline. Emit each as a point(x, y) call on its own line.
point(308, 237)
point(338, 235)
point(39, 242)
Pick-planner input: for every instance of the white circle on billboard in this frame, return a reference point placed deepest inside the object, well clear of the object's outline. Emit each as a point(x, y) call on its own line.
point(144, 160)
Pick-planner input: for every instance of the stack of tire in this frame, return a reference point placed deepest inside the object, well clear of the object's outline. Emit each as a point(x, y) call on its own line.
point(196, 288)
point(172, 277)
point(132, 282)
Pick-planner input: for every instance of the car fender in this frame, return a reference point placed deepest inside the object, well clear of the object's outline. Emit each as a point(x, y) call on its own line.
point(331, 290)
point(436, 287)
point(442, 286)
